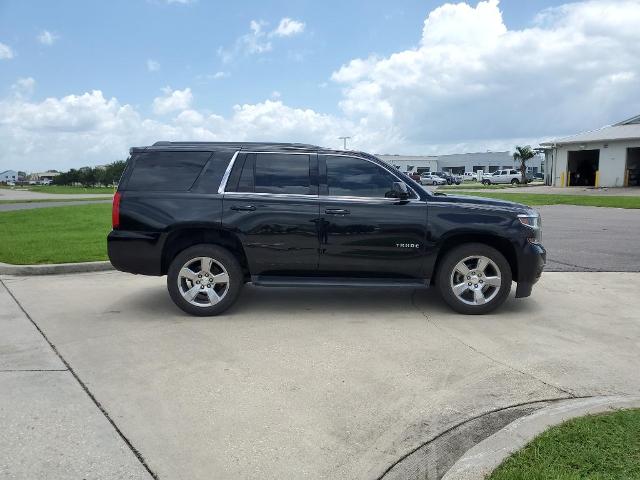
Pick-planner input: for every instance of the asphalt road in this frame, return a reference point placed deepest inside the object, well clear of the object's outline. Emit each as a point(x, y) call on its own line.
point(591, 238)
point(289, 383)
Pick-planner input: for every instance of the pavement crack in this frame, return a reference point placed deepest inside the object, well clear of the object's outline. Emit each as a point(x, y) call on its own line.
point(580, 267)
point(483, 354)
point(84, 387)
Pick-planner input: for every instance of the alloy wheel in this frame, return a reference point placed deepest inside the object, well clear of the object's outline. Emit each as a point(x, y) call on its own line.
point(203, 281)
point(476, 280)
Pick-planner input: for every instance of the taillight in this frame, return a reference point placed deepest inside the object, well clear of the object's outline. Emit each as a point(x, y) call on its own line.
point(115, 211)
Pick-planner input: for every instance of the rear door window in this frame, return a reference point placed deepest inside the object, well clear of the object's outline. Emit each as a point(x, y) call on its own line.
point(281, 173)
point(166, 171)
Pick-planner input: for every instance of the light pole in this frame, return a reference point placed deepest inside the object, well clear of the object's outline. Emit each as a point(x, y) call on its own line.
point(345, 141)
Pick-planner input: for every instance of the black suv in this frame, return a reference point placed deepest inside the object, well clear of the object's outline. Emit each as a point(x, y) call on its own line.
point(213, 216)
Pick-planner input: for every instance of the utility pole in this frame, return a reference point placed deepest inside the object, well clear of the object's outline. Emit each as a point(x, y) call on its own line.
point(345, 141)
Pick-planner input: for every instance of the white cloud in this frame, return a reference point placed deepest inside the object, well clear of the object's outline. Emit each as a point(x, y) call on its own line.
point(257, 40)
point(6, 53)
point(276, 94)
point(469, 84)
point(153, 65)
point(470, 79)
point(219, 75)
point(254, 42)
point(47, 38)
point(288, 27)
point(24, 86)
point(172, 100)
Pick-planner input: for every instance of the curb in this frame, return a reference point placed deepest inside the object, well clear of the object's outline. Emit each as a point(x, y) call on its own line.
point(54, 269)
point(484, 458)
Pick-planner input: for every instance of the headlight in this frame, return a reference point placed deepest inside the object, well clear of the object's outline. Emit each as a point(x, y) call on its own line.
point(530, 220)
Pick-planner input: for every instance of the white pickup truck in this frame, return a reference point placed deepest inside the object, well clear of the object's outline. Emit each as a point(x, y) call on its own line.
point(510, 175)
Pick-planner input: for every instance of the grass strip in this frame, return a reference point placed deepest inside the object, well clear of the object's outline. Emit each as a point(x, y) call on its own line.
point(559, 199)
point(595, 447)
point(55, 235)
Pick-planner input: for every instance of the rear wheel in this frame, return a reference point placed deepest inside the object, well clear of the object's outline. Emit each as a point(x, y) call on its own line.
point(474, 278)
point(515, 181)
point(204, 280)
point(486, 182)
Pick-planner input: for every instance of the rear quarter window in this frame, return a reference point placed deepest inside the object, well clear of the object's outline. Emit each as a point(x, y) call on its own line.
point(166, 171)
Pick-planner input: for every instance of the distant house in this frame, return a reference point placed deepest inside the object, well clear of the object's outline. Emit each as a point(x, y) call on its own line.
point(8, 176)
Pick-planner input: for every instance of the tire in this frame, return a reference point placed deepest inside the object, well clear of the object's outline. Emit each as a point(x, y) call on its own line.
point(209, 301)
point(486, 182)
point(435, 183)
point(494, 293)
point(515, 181)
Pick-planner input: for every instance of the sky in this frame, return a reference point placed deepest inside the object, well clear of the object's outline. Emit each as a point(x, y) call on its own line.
point(81, 82)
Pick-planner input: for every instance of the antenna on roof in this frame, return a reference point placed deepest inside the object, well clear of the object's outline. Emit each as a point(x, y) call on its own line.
point(345, 141)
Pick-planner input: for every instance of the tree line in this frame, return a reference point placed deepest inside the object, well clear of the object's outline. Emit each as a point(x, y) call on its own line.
point(92, 176)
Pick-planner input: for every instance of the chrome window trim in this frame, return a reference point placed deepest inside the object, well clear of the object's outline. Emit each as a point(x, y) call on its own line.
point(271, 195)
point(227, 172)
point(416, 196)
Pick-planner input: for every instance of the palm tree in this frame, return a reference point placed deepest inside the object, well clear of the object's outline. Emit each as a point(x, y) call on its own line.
point(522, 154)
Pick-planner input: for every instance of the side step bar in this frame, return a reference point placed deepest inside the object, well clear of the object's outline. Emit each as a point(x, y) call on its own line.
point(278, 281)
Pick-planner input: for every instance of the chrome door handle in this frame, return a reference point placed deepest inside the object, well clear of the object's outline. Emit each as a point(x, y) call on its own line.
point(337, 211)
point(243, 208)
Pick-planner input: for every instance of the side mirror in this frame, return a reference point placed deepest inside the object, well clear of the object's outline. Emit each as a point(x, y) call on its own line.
point(399, 190)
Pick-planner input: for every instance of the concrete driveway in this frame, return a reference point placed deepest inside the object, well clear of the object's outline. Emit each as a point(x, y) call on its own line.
point(295, 383)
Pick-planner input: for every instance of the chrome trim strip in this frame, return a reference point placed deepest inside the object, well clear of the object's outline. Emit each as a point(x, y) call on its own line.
point(272, 195)
point(227, 172)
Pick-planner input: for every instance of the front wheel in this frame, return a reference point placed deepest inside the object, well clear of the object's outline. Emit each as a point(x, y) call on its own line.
point(434, 183)
point(204, 280)
point(474, 278)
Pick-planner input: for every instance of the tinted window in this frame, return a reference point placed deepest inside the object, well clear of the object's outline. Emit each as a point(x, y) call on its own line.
point(209, 182)
point(355, 177)
point(245, 183)
point(281, 173)
point(166, 171)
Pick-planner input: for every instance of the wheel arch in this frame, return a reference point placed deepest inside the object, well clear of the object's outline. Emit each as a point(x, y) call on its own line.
point(502, 244)
point(182, 238)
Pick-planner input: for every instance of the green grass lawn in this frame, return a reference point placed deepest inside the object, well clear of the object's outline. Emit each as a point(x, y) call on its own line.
point(67, 189)
point(55, 235)
point(597, 447)
point(552, 199)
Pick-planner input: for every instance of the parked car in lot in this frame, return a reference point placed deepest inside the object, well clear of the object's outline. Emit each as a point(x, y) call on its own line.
point(511, 176)
point(214, 216)
point(449, 178)
point(431, 179)
point(469, 177)
point(414, 176)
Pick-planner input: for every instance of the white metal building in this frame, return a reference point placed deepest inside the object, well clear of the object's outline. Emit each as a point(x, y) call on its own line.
point(460, 163)
point(607, 157)
point(8, 176)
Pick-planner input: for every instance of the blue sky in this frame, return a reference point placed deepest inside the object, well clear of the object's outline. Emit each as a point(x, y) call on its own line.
point(137, 51)
point(106, 45)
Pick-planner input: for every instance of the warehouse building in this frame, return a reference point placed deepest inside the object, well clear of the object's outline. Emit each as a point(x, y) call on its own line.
point(607, 157)
point(460, 163)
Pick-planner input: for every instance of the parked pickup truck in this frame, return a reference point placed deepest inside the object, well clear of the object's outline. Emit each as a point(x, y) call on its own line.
point(214, 216)
point(511, 176)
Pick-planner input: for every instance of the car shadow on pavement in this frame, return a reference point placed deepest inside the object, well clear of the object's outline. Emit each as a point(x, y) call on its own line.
point(154, 302)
